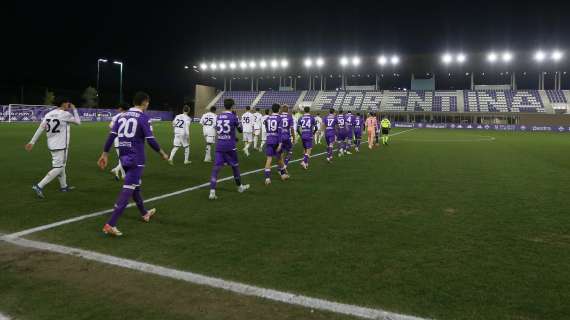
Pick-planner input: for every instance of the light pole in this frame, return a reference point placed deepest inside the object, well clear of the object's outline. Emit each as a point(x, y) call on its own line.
point(99, 61)
point(120, 80)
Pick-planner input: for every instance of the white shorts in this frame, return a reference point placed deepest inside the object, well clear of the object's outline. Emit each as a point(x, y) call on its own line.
point(210, 139)
point(248, 136)
point(256, 132)
point(181, 141)
point(263, 135)
point(116, 142)
point(58, 158)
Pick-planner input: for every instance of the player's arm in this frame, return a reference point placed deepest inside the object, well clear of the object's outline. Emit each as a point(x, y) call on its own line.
point(104, 158)
point(72, 117)
point(298, 126)
point(149, 137)
point(239, 127)
point(37, 134)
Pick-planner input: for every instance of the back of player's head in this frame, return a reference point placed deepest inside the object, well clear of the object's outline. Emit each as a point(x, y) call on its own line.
point(247, 108)
point(340, 111)
point(186, 109)
point(266, 111)
point(275, 107)
point(285, 108)
point(122, 106)
point(358, 114)
point(141, 99)
point(60, 101)
point(307, 109)
point(257, 109)
point(228, 103)
point(349, 112)
point(213, 109)
point(331, 111)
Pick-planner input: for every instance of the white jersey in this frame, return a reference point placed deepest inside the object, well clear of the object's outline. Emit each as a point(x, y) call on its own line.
point(181, 125)
point(247, 121)
point(114, 119)
point(319, 121)
point(208, 122)
point(263, 118)
point(257, 121)
point(56, 125)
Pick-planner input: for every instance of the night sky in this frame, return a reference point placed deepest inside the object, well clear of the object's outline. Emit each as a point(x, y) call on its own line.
point(56, 45)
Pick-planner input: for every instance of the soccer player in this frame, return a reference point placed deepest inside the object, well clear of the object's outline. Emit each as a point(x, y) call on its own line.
point(349, 119)
point(296, 116)
point(386, 126)
point(181, 125)
point(56, 126)
point(226, 152)
point(341, 132)
point(357, 125)
point(257, 124)
point(320, 133)
point(273, 127)
point(287, 134)
point(263, 129)
point(247, 120)
point(118, 170)
point(306, 127)
point(371, 127)
point(331, 127)
point(133, 128)
point(208, 122)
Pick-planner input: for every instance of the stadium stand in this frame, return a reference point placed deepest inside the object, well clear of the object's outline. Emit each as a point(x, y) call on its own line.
point(284, 97)
point(495, 101)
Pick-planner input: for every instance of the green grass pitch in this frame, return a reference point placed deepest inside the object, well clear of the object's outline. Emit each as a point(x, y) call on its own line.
point(440, 224)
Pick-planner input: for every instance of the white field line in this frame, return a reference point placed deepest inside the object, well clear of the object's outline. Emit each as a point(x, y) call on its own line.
point(3, 317)
point(236, 287)
point(160, 197)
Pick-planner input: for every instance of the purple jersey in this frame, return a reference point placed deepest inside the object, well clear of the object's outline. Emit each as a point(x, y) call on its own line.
point(341, 119)
point(330, 125)
point(349, 121)
point(286, 125)
point(273, 129)
point(306, 125)
point(226, 125)
point(357, 122)
point(133, 129)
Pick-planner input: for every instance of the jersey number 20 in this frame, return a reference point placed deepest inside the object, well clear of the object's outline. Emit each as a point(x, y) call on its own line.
point(127, 127)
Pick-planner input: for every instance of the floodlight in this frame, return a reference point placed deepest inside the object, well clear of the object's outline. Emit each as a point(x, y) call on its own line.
point(447, 58)
point(117, 62)
point(492, 57)
point(222, 66)
point(461, 58)
point(252, 64)
point(243, 65)
point(284, 63)
point(274, 64)
point(355, 61)
point(233, 65)
point(557, 55)
point(102, 60)
point(320, 62)
point(507, 56)
point(262, 64)
point(186, 67)
point(213, 66)
point(395, 60)
point(343, 61)
point(539, 56)
point(308, 63)
point(382, 60)
point(203, 66)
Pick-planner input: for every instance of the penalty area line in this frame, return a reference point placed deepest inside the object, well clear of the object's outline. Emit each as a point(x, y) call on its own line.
point(152, 199)
point(235, 287)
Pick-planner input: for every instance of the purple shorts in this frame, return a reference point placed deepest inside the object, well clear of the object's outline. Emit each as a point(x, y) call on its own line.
point(357, 133)
point(271, 150)
point(349, 133)
point(133, 175)
point(286, 145)
point(229, 157)
point(341, 135)
point(330, 139)
point(307, 143)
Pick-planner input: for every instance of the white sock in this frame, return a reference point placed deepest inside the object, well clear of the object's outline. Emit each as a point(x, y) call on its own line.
point(186, 153)
point(208, 155)
point(52, 174)
point(246, 146)
point(255, 140)
point(62, 178)
point(173, 152)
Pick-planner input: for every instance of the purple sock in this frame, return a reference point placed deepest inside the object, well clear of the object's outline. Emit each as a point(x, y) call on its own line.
point(139, 200)
point(267, 173)
point(288, 157)
point(237, 177)
point(306, 158)
point(214, 177)
point(329, 151)
point(120, 205)
point(282, 171)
